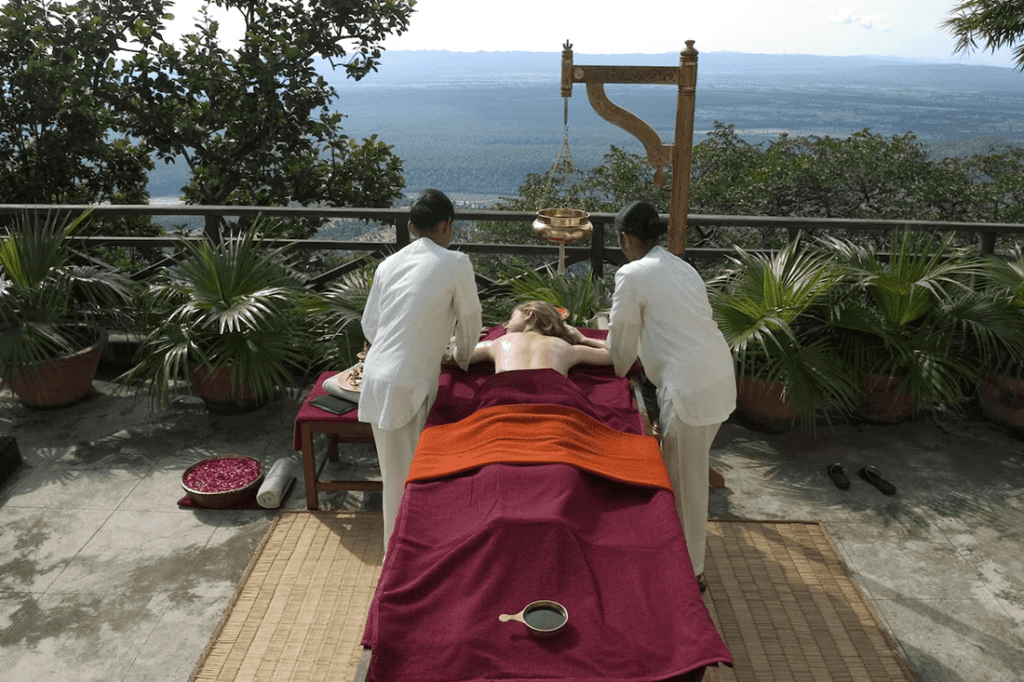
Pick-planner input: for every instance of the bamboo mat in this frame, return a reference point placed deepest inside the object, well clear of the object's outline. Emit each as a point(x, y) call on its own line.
point(781, 596)
point(300, 611)
point(790, 610)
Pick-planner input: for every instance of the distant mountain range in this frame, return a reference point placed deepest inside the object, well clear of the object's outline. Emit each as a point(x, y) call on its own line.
point(449, 67)
point(474, 124)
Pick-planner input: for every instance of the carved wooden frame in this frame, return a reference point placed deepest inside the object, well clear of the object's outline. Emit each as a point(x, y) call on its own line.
point(680, 153)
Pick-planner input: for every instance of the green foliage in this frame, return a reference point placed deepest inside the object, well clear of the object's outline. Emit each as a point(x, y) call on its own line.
point(625, 177)
point(46, 297)
point(1003, 284)
point(337, 316)
point(821, 316)
point(234, 304)
point(254, 124)
point(770, 309)
point(998, 24)
point(63, 136)
point(91, 89)
point(863, 176)
point(921, 313)
point(581, 295)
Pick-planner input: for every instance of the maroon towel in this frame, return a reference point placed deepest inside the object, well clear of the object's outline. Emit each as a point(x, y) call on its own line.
point(457, 394)
point(311, 413)
point(469, 548)
point(604, 397)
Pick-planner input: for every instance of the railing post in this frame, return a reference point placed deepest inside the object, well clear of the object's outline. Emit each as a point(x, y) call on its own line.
point(212, 229)
point(597, 250)
point(987, 242)
point(402, 232)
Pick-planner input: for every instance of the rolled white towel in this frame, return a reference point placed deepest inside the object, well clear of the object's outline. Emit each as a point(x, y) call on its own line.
point(280, 476)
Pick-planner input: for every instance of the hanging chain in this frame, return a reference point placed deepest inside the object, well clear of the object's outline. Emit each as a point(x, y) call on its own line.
point(565, 148)
point(563, 161)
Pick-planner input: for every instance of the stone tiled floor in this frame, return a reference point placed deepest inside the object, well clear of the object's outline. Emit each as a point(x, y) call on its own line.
point(104, 577)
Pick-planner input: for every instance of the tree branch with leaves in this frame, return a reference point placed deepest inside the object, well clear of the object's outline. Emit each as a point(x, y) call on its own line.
point(996, 23)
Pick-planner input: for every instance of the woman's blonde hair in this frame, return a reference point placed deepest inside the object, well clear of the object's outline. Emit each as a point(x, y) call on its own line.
point(545, 319)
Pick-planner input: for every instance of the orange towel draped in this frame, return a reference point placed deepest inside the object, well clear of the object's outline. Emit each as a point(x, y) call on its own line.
point(538, 434)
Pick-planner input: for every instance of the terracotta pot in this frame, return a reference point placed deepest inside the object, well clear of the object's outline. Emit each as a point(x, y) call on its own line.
point(763, 405)
point(882, 403)
point(1002, 400)
point(62, 381)
point(217, 392)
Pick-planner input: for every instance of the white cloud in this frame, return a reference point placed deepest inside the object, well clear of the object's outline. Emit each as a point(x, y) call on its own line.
point(871, 22)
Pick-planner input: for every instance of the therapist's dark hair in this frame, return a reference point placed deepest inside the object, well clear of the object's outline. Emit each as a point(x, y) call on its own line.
point(431, 207)
point(642, 220)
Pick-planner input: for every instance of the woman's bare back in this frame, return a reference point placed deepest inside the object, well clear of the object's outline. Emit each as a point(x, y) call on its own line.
point(532, 350)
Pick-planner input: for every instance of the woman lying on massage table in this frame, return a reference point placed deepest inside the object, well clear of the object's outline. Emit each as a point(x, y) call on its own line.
point(537, 338)
point(536, 482)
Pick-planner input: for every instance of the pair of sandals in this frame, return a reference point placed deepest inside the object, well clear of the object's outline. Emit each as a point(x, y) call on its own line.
point(837, 472)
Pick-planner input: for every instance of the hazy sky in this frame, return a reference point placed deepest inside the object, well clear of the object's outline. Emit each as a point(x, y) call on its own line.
point(904, 28)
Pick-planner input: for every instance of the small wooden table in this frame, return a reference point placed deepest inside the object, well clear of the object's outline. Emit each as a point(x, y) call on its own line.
point(342, 428)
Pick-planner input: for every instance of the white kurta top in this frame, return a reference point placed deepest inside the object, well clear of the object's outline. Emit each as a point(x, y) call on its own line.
point(661, 314)
point(418, 295)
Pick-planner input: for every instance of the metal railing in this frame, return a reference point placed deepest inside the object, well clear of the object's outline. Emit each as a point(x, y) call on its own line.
point(597, 252)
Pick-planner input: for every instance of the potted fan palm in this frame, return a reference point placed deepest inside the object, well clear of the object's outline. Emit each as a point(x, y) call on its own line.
point(914, 323)
point(55, 305)
point(1001, 392)
point(770, 309)
point(229, 318)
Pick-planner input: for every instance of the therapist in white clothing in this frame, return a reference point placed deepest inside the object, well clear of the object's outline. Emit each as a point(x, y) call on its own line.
point(661, 314)
point(420, 296)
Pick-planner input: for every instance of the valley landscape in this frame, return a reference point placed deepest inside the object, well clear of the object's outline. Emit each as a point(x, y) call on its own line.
point(475, 124)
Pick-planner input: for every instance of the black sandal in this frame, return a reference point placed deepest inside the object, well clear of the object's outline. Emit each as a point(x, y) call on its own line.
point(837, 472)
point(874, 477)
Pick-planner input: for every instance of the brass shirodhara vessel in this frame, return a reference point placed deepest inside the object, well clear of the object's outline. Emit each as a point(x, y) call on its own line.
point(562, 225)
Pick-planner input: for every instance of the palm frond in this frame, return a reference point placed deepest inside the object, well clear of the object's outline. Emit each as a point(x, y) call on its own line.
point(233, 304)
point(770, 309)
point(45, 298)
point(581, 295)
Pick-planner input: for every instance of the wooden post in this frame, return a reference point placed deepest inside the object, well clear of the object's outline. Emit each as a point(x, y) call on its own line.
point(987, 242)
point(682, 150)
point(679, 154)
point(212, 228)
point(402, 237)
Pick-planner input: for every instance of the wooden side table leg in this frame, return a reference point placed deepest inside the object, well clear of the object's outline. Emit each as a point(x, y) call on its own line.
point(309, 465)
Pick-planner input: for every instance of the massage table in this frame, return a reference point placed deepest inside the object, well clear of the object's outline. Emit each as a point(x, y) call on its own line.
point(532, 485)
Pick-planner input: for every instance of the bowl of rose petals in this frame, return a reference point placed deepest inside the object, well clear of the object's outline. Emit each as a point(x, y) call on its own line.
point(221, 482)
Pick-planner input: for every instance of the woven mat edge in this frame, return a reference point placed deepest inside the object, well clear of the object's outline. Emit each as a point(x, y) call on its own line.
point(890, 641)
point(248, 572)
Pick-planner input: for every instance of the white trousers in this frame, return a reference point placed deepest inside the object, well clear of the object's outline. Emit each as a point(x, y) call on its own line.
point(395, 449)
point(686, 451)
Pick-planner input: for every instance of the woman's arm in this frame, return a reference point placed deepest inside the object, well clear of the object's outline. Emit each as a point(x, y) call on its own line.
point(589, 355)
point(482, 351)
point(579, 339)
